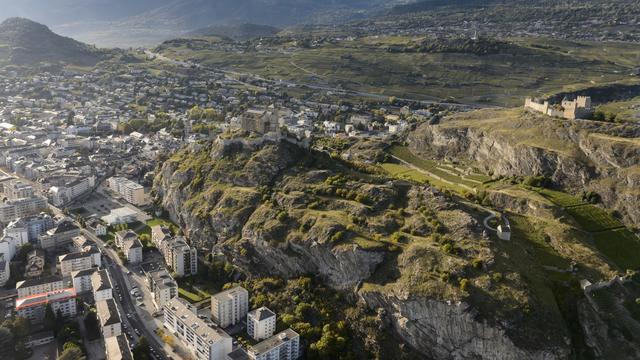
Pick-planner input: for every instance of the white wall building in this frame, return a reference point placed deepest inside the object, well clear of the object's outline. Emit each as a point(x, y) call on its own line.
point(82, 280)
point(101, 285)
point(109, 318)
point(282, 346)
point(261, 323)
point(203, 341)
point(39, 285)
point(132, 192)
point(230, 307)
point(14, 209)
point(73, 262)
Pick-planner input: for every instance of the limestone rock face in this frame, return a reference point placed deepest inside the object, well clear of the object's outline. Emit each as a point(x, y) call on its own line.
point(442, 330)
point(575, 155)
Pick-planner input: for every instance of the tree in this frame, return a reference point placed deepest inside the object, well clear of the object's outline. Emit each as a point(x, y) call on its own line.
point(72, 353)
point(21, 328)
point(49, 318)
point(141, 350)
point(6, 344)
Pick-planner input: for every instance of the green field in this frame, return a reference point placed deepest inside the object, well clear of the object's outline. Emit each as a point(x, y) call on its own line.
point(405, 172)
point(189, 296)
point(621, 246)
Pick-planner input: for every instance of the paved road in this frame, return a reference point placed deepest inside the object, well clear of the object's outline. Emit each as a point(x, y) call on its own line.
point(116, 272)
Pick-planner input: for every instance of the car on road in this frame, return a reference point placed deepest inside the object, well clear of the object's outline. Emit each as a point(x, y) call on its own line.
point(137, 331)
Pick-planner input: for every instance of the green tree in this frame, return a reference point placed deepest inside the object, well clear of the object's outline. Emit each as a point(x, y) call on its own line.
point(72, 353)
point(21, 328)
point(141, 350)
point(49, 318)
point(6, 344)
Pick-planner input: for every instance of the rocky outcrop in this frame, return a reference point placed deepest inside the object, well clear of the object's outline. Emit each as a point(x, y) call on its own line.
point(273, 209)
point(575, 155)
point(447, 330)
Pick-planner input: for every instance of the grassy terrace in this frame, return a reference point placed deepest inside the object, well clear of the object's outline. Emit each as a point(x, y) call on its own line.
point(449, 175)
point(609, 235)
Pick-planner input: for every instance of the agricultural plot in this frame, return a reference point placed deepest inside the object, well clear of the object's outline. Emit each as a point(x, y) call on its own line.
point(432, 167)
point(619, 245)
point(591, 218)
point(560, 198)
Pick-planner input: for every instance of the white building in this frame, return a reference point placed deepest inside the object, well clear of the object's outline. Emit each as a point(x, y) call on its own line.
point(18, 208)
point(73, 262)
point(109, 318)
point(261, 323)
point(132, 192)
point(162, 286)
point(230, 307)
point(133, 251)
point(34, 306)
point(203, 341)
point(18, 190)
point(282, 346)
point(117, 348)
point(101, 285)
point(39, 285)
point(70, 190)
point(82, 280)
point(123, 215)
point(35, 225)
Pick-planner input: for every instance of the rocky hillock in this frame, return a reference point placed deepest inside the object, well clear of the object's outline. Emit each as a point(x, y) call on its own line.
point(411, 255)
point(576, 155)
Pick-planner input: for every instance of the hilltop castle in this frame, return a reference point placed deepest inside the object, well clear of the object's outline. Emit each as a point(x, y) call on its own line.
point(568, 109)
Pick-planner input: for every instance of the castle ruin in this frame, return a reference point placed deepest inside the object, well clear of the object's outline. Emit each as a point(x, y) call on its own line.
point(568, 109)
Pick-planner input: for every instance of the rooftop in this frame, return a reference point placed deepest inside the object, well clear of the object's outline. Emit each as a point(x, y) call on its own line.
point(100, 281)
point(205, 332)
point(45, 298)
point(38, 281)
point(262, 313)
point(274, 341)
point(107, 312)
point(118, 348)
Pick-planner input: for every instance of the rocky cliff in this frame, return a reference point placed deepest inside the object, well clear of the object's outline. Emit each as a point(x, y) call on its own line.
point(409, 252)
point(576, 155)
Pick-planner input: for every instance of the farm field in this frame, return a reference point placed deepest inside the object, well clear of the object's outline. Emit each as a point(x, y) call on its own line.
point(367, 65)
point(621, 246)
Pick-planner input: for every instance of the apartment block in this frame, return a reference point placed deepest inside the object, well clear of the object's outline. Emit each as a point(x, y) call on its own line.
point(230, 307)
point(33, 307)
point(162, 286)
point(82, 280)
point(18, 208)
point(261, 323)
point(282, 346)
point(203, 341)
point(39, 285)
point(109, 318)
point(73, 262)
point(132, 192)
point(101, 285)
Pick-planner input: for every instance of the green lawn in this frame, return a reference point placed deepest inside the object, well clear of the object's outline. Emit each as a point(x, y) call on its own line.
point(621, 246)
point(189, 296)
point(402, 171)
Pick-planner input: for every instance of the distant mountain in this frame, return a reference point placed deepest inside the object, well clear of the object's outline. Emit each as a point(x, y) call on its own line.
point(25, 42)
point(236, 32)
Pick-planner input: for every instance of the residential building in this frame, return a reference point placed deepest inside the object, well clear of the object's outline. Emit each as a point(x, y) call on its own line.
point(18, 190)
point(230, 307)
point(178, 255)
point(35, 225)
point(33, 307)
point(160, 234)
point(39, 285)
point(59, 237)
point(69, 189)
point(132, 192)
point(18, 208)
point(74, 262)
point(117, 348)
point(35, 264)
point(132, 249)
point(101, 284)
point(82, 280)
point(162, 287)
point(109, 318)
point(261, 323)
point(282, 346)
point(123, 236)
point(203, 341)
